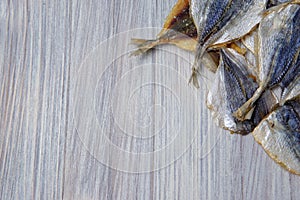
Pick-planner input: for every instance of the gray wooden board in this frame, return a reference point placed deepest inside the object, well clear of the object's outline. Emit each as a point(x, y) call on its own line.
point(80, 119)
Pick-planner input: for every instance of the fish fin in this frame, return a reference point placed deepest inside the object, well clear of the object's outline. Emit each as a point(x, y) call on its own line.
point(193, 79)
point(178, 8)
point(143, 45)
point(244, 111)
point(196, 67)
point(279, 7)
point(237, 48)
point(179, 29)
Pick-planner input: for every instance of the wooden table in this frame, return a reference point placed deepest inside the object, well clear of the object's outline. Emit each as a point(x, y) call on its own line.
point(80, 119)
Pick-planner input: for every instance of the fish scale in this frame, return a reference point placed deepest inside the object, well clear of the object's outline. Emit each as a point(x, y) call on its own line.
point(288, 53)
point(279, 139)
point(279, 40)
point(214, 18)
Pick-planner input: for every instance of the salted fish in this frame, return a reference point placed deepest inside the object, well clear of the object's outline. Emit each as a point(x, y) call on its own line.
point(279, 135)
point(242, 98)
point(233, 85)
point(179, 29)
point(198, 25)
point(279, 48)
point(219, 22)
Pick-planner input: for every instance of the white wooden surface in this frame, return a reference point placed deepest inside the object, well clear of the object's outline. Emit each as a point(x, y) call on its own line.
point(80, 119)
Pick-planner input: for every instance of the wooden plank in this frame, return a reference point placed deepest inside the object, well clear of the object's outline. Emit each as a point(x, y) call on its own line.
point(157, 138)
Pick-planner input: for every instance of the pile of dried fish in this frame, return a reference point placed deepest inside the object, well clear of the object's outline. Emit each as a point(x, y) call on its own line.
point(253, 47)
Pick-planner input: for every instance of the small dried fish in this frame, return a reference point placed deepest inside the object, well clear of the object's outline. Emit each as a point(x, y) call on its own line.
point(208, 24)
point(279, 48)
point(279, 135)
point(254, 48)
point(232, 87)
point(179, 29)
point(219, 22)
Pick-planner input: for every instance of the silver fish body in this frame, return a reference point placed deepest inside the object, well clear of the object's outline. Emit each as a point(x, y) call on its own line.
point(219, 22)
point(279, 49)
point(253, 47)
point(279, 35)
point(232, 87)
point(279, 135)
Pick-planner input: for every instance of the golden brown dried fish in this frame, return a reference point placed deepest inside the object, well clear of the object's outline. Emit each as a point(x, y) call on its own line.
point(279, 135)
point(179, 29)
point(279, 48)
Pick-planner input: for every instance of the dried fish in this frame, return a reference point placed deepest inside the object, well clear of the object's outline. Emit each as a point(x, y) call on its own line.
point(279, 48)
point(279, 135)
point(213, 23)
point(232, 87)
point(219, 22)
point(179, 29)
point(253, 46)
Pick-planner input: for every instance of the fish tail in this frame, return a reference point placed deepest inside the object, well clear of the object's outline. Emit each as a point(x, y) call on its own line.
point(143, 45)
point(197, 65)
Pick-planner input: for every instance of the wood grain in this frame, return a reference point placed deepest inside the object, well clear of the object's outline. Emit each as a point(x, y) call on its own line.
point(44, 154)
